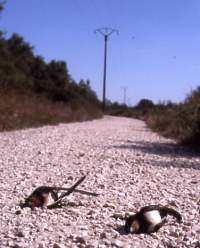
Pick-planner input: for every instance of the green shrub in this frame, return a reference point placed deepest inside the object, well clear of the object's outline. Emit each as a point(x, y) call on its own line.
point(178, 121)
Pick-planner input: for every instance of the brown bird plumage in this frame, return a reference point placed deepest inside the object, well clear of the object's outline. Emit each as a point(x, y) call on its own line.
point(46, 196)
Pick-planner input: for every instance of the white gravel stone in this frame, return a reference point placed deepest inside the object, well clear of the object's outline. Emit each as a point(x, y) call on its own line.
point(126, 163)
point(117, 243)
point(58, 246)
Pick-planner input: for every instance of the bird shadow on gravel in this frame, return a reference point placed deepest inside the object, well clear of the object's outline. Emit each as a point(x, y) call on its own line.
point(121, 230)
point(171, 150)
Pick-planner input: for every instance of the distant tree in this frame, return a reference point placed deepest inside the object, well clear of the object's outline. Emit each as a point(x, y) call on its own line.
point(2, 40)
point(21, 70)
point(2, 6)
point(58, 73)
point(84, 85)
point(59, 77)
point(39, 73)
point(19, 47)
point(193, 97)
point(108, 103)
point(86, 91)
point(145, 103)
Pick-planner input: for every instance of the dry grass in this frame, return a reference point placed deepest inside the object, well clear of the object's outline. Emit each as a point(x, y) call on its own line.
point(27, 110)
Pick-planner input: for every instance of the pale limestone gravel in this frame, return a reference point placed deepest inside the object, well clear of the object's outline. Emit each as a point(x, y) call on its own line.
point(125, 162)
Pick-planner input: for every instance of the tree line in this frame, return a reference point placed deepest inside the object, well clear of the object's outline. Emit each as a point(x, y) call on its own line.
point(34, 92)
point(22, 71)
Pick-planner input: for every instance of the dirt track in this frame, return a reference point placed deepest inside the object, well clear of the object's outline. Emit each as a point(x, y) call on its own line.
point(126, 163)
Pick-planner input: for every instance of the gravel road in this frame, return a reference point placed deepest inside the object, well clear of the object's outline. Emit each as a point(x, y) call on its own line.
point(125, 162)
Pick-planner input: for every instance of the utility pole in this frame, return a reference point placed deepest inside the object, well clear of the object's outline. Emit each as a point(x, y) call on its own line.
point(124, 93)
point(106, 32)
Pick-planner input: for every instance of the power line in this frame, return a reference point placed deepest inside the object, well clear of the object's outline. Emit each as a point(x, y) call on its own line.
point(106, 32)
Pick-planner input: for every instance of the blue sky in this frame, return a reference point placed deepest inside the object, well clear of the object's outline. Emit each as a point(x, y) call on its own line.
point(161, 62)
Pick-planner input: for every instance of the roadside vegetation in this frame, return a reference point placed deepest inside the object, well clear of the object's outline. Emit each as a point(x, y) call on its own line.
point(178, 121)
point(35, 93)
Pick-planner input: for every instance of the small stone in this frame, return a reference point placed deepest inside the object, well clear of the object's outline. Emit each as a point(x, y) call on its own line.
point(18, 212)
point(119, 215)
point(196, 244)
point(70, 177)
point(58, 246)
point(196, 228)
point(174, 234)
point(80, 203)
point(109, 205)
point(194, 182)
point(102, 246)
point(80, 240)
point(20, 234)
point(93, 244)
point(81, 154)
point(103, 235)
point(117, 243)
point(91, 212)
point(71, 204)
point(43, 214)
point(11, 243)
point(115, 233)
point(101, 186)
point(83, 228)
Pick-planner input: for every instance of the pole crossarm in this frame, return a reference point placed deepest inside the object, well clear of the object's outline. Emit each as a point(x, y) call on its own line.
point(106, 31)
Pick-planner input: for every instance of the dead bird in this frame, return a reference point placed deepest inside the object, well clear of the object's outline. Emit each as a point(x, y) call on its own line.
point(150, 219)
point(46, 196)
